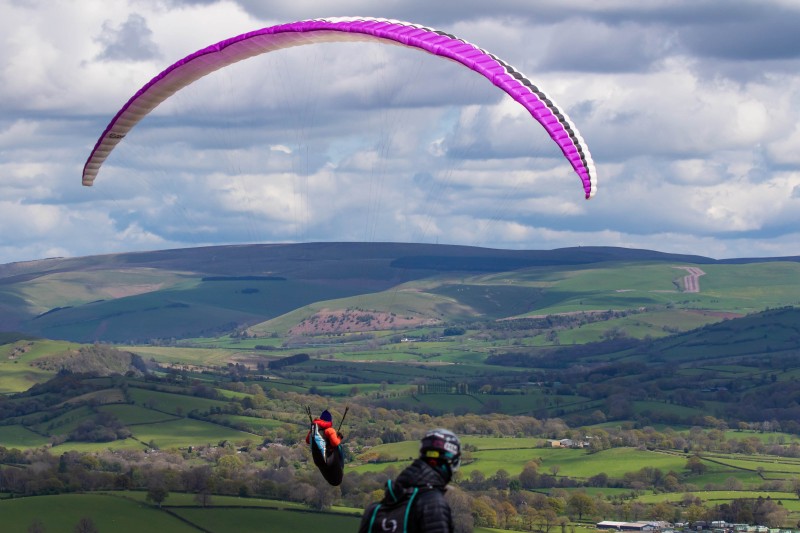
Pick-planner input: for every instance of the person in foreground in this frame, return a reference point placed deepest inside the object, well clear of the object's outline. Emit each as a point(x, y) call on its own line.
point(414, 502)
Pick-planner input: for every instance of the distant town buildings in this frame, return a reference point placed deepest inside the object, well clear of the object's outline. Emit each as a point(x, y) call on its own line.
point(665, 527)
point(632, 526)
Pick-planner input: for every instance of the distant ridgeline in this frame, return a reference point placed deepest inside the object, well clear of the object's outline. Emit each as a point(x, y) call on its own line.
point(139, 298)
point(243, 278)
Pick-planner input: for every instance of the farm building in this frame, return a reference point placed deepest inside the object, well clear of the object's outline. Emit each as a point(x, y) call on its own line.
point(630, 526)
point(569, 443)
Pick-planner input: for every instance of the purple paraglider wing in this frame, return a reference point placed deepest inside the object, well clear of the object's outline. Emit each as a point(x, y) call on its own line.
point(212, 58)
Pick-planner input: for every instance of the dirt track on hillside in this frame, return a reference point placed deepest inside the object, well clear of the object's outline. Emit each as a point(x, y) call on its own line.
point(691, 282)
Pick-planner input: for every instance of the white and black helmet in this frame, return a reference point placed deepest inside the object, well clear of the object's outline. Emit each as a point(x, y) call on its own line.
point(441, 444)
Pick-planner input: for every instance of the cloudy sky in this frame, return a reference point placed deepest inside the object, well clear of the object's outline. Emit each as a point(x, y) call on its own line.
point(690, 109)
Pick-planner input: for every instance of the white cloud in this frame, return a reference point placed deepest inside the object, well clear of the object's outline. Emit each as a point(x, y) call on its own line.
point(696, 171)
point(695, 144)
point(18, 132)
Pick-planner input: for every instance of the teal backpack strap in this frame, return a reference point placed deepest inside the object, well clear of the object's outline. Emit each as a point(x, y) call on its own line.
point(372, 520)
point(390, 489)
point(408, 509)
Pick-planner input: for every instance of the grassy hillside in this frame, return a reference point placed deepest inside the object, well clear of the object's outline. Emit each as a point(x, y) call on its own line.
point(17, 371)
point(776, 331)
point(654, 291)
point(207, 291)
point(196, 309)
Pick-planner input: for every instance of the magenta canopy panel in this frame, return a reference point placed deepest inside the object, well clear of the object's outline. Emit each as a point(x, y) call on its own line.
point(214, 57)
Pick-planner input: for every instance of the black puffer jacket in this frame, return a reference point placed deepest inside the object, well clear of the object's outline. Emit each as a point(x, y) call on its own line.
point(430, 513)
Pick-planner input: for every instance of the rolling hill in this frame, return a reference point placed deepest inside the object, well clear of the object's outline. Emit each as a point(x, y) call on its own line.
point(204, 292)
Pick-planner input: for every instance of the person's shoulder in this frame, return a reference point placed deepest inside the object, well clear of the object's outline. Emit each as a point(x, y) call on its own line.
point(430, 494)
point(431, 512)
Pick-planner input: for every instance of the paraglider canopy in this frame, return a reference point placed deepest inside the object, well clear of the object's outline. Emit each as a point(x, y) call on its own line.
point(193, 67)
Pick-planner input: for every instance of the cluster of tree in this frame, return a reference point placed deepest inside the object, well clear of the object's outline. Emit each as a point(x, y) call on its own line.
point(562, 357)
point(290, 360)
point(751, 511)
point(618, 384)
point(530, 327)
point(103, 427)
point(99, 359)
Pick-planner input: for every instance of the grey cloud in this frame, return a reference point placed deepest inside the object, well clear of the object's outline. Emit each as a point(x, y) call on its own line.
point(757, 35)
point(420, 11)
point(746, 29)
point(130, 41)
point(394, 144)
point(588, 46)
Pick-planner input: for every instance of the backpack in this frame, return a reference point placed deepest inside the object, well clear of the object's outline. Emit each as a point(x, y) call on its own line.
point(391, 514)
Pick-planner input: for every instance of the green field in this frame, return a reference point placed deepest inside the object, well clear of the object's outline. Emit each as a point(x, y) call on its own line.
point(643, 407)
point(763, 436)
point(787, 499)
point(262, 520)
point(169, 432)
point(65, 422)
point(175, 404)
point(787, 466)
point(20, 437)
point(255, 424)
point(575, 463)
point(95, 447)
point(16, 372)
point(512, 454)
point(135, 415)
point(182, 499)
point(60, 514)
point(188, 432)
point(503, 443)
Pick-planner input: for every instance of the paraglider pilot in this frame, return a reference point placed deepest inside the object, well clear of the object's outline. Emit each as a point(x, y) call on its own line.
point(326, 447)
